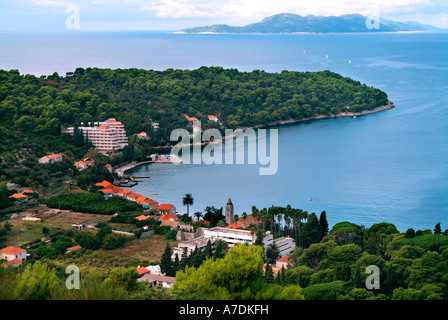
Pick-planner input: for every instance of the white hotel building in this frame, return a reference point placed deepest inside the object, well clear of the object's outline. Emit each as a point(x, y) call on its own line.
point(105, 136)
point(232, 237)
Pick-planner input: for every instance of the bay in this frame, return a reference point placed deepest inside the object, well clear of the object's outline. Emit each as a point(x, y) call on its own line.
point(390, 166)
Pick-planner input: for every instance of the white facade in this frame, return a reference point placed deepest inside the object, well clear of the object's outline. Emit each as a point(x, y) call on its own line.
point(230, 236)
point(285, 245)
point(105, 136)
point(13, 254)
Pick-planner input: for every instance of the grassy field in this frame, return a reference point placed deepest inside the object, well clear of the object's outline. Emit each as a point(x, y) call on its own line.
point(23, 231)
point(150, 248)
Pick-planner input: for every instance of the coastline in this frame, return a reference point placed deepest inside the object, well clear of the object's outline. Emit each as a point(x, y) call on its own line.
point(388, 106)
point(121, 170)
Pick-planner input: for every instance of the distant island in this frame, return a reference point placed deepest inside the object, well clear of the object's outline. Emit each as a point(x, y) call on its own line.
point(293, 23)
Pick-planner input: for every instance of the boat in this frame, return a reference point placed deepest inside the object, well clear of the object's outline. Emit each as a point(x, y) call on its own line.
point(354, 117)
point(154, 193)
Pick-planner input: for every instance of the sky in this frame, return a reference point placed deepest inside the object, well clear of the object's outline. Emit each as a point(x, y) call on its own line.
point(172, 15)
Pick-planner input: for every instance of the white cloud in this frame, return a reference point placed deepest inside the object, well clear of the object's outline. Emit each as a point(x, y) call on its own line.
point(52, 3)
point(263, 8)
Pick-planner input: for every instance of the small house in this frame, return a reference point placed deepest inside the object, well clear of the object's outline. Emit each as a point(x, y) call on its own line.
point(13, 255)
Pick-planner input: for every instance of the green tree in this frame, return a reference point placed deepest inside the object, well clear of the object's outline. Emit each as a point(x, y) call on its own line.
point(215, 279)
point(324, 291)
point(112, 241)
point(37, 282)
point(124, 277)
point(437, 229)
point(166, 264)
point(269, 274)
point(188, 201)
point(323, 224)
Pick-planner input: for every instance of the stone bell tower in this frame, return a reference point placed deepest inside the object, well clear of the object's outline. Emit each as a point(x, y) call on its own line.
point(229, 212)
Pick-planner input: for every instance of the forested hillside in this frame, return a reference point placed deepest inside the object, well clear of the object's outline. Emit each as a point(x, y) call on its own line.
point(35, 111)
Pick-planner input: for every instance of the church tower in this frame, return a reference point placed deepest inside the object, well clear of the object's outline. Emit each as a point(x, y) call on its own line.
point(229, 212)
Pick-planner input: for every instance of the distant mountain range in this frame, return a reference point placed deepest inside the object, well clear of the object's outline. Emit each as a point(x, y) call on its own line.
point(293, 23)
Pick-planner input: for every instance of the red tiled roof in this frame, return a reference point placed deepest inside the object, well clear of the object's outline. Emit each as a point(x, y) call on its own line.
point(13, 262)
point(234, 225)
point(107, 190)
point(141, 198)
point(27, 191)
point(192, 119)
point(18, 196)
point(142, 217)
point(74, 248)
point(104, 184)
point(284, 259)
point(52, 156)
point(133, 195)
point(111, 120)
point(12, 250)
point(167, 217)
point(149, 201)
point(165, 206)
point(142, 270)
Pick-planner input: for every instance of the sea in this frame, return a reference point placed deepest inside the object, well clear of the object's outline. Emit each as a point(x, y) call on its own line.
point(390, 166)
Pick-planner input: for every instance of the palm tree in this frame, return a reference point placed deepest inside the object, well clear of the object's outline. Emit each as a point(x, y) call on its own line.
point(188, 201)
point(198, 215)
point(279, 219)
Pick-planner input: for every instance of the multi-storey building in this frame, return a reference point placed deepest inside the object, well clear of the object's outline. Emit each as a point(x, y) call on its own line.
point(231, 236)
point(105, 136)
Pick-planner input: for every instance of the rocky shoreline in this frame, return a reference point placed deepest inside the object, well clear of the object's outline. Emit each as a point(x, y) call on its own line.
point(388, 106)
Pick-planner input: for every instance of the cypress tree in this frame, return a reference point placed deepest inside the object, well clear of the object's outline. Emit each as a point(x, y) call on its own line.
point(323, 224)
point(269, 274)
point(208, 253)
point(176, 263)
point(183, 260)
point(437, 229)
point(166, 264)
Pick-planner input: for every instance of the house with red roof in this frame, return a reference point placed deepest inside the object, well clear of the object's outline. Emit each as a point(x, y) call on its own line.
point(165, 208)
point(142, 135)
point(142, 217)
point(13, 255)
point(142, 271)
point(213, 118)
point(51, 158)
point(73, 249)
point(19, 197)
point(283, 262)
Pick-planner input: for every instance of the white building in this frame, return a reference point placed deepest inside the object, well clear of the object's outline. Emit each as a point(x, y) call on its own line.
point(230, 236)
point(157, 280)
point(105, 136)
point(51, 158)
point(285, 245)
point(13, 255)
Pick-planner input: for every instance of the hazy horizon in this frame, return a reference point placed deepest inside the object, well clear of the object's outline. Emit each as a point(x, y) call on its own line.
point(169, 15)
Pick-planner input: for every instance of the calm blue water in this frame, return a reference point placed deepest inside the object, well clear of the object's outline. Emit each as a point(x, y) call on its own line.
point(390, 166)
